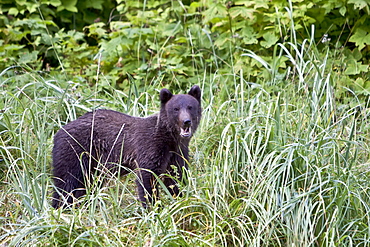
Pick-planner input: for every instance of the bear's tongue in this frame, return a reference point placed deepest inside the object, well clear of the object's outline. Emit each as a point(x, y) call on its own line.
point(185, 132)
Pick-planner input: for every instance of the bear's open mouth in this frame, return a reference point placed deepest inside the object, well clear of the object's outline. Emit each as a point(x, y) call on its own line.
point(185, 132)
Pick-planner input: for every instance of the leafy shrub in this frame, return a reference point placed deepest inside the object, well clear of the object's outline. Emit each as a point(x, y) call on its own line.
point(174, 42)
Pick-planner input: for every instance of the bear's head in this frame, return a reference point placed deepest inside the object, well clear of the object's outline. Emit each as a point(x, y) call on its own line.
point(181, 112)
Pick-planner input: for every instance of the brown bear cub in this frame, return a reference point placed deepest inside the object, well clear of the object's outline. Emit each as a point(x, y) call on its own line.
point(112, 142)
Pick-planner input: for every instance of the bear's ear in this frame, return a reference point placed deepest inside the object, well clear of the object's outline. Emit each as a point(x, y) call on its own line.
point(195, 92)
point(165, 95)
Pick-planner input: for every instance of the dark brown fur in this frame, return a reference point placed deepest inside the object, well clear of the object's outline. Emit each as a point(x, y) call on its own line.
point(108, 139)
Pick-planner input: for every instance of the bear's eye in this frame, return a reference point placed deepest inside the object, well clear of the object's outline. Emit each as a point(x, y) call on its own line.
point(176, 109)
point(190, 107)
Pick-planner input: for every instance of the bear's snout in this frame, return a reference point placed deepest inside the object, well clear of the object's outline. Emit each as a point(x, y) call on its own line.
point(187, 123)
point(185, 128)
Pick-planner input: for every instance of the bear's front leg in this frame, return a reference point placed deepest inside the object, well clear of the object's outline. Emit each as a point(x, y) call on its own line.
point(145, 183)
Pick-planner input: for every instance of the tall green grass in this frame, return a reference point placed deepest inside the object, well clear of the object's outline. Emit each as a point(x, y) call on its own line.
point(278, 162)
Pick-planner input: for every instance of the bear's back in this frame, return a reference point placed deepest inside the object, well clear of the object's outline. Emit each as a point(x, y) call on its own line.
point(105, 127)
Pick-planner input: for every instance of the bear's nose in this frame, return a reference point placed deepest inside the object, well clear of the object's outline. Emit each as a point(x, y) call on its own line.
point(187, 122)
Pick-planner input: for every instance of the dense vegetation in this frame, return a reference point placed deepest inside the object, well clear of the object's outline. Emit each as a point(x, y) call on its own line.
point(282, 156)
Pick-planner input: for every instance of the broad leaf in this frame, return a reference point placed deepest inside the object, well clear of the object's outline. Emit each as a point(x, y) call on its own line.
point(241, 11)
point(270, 39)
point(359, 4)
point(355, 68)
point(361, 38)
point(28, 57)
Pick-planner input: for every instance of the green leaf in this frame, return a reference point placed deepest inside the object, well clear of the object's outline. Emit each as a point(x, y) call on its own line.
point(21, 2)
point(343, 10)
point(355, 68)
point(118, 25)
point(12, 47)
point(69, 5)
point(222, 39)
point(28, 57)
point(132, 32)
point(32, 7)
point(171, 29)
point(96, 4)
point(75, 35)
point(193, 7)
point(96, 29)
point(241, 11)
point(359, 4)
point(362, 86)
point(270, 39)
point(367, 86)
point(249, 36)
point(356, 54)
point(216, 11)
point(256, 4)
point(112, 47)
point(55, 3)
point(13, 11)
point(361, 38)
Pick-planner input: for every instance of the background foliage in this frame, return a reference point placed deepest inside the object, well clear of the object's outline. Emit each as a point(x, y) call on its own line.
point(174, 41)
point(281, 157)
